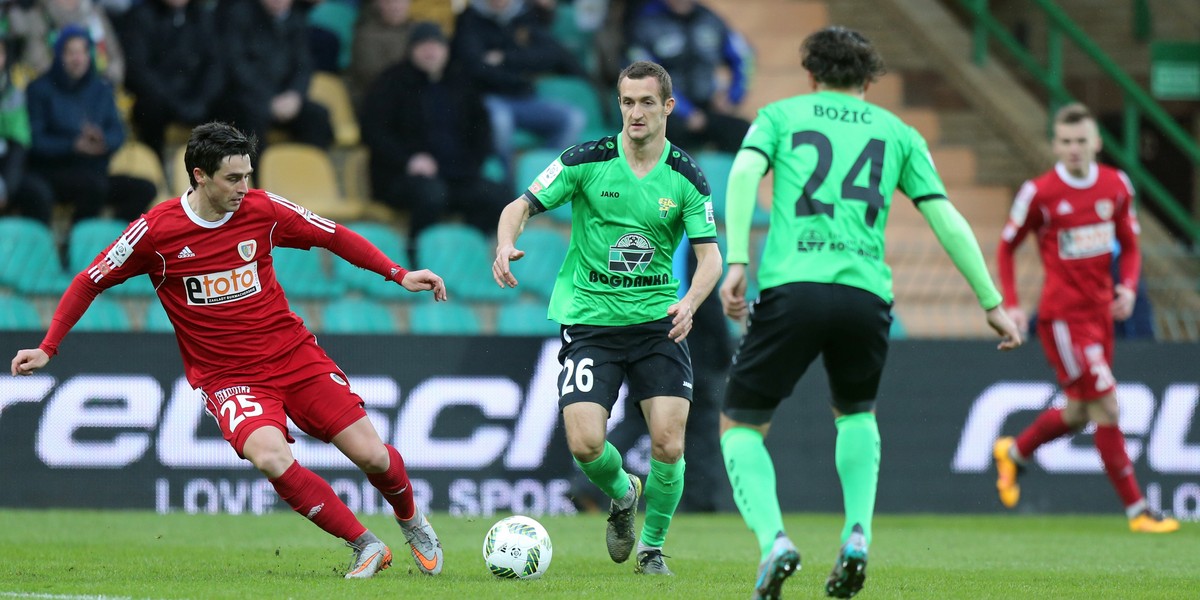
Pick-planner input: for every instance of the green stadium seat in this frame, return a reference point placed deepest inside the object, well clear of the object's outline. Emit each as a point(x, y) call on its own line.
point(462, 256)
point(156, 320)
point(545, 250)
point(716, 167)
point(17, 314)
point(302, 273)
point(29, 261)
point(357, 315)
point(530, 164)
point(90, 237)
point(105, 314)
point(579, 92)
point(443, 318)
point(525, 318)
point(392, 243)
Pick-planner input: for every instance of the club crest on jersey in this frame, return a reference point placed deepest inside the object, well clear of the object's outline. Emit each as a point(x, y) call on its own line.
point(1104, 208)
point(247, 249)
point(631, 254)
point(664, 207)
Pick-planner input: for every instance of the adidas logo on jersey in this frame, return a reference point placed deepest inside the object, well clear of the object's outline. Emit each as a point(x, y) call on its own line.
point(185, 253)
point(1064, 207)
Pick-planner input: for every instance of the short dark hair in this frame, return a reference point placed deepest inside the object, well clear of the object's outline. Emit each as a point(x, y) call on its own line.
point(1073, 113)
point(643, 69)
point(841, 58)
point(211, 142)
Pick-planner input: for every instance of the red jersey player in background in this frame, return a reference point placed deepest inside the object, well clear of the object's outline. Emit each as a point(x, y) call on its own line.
point(208, 254)
point(1077, 211)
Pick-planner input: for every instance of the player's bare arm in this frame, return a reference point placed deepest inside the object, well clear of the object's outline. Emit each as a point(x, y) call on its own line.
point(733, 292)
point(512, 223)
point(708, 272)
point(425, 280)
point(1010, 335)
point(29, 360)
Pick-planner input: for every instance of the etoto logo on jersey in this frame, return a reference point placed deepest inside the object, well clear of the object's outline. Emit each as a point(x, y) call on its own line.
point(1157, 431)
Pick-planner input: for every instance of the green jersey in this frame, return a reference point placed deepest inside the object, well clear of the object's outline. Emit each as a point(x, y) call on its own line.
point(624, 231)
point(837, 161)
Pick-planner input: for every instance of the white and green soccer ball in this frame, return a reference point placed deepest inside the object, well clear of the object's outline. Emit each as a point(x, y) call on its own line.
point(517, 548)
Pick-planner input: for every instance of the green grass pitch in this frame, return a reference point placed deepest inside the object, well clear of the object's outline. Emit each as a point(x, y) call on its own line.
point(80, 554)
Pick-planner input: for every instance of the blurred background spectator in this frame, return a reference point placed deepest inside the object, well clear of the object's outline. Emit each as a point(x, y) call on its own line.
point(427, 129)
point(380, 40)
point(37, 25)
point(26, 196)
point(709, 63)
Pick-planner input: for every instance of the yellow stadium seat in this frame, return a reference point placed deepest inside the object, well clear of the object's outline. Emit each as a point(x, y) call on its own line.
point(136, 159)
point(305, 175)
point(329, 91)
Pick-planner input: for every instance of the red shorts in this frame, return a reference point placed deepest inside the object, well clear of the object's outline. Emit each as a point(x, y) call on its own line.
point(1081, 354)
point(306, 386)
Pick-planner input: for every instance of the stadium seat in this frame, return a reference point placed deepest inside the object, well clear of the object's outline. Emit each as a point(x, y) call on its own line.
point(525, 318)
point(336, 17)
point(545, 249)
point(328, 90)
point(462, 256)
point(443, 318)
point(580, 93)
point(17, 314)
point(136, 159)
point(305, 175)
point(104, 314)
point(29, 261)
point(357, 315)
point(530, 164)
point(716, 167)
point(303, 275)
point(387, 239)
point(89, 238)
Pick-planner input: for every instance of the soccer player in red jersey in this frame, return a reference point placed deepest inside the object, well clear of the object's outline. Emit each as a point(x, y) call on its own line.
point(208, 254)
point(1077, 211)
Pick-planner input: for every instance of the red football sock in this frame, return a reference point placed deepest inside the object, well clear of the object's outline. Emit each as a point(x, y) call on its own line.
point(394, 484)
point(1048, 427)
point(314, 499)
point(1111, 444)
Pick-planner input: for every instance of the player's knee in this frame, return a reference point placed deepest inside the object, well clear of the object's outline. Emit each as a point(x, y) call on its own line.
point(375, 461)
point(669, 449)
point(585, 448)
point(853, 407)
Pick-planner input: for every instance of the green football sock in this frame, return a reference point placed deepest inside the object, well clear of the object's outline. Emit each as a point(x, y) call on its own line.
point(857, 457)
point(664, 488)
point(607, 473)
point(752, 476)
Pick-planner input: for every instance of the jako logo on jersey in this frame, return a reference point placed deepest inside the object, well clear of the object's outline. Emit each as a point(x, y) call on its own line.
point(222, 287)
point(608, 194)
point(664, 207)
point(247, 249)
point(1086, 241)
point(631, 254)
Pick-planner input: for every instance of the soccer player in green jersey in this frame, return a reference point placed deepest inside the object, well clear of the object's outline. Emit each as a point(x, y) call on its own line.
point(826, 289)
point(632, 198)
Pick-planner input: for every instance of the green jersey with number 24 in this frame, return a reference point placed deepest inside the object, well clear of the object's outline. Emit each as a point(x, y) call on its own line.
point(837, 159)
point(624, 231)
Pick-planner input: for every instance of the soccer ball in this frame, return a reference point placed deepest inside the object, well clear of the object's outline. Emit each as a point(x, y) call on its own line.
point(517, 548)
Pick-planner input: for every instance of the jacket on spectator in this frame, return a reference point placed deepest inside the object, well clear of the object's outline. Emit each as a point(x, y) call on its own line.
point(529, 48)
point(173, 57)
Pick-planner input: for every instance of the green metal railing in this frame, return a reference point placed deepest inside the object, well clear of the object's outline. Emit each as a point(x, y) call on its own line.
point(1138, 104)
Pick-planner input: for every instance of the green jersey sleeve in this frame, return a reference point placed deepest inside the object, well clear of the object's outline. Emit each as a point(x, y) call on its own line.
point(553, 187)
point(920, 180)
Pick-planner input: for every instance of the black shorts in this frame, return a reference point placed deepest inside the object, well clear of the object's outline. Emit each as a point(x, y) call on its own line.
point(789, 326)
point(597, 359)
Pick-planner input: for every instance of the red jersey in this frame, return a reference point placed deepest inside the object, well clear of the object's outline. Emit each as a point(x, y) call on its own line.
point(216, 279)
point(1078, 222)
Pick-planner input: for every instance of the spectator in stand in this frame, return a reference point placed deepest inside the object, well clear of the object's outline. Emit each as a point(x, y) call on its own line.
point(174, 68)
point(39, 25)
point(268, 68)
point(695, 46)
point(75, 130)
point(380, 41)
point(427, 130)
point(27, 196)
point(505, 46)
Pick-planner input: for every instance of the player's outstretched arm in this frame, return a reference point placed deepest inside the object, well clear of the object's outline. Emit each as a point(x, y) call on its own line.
point(512, 223)
point(29, 360)
point(425, 280)
point(1010, 335)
